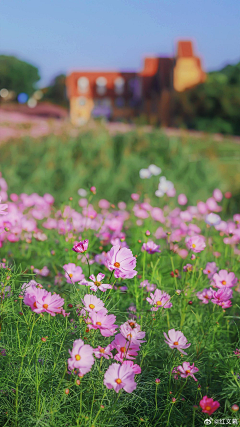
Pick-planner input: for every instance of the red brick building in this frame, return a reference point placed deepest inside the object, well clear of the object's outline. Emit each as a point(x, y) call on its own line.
point(121, 94)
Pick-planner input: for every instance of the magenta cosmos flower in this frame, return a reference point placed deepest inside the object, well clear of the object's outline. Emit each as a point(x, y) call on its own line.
point(92, 303)
point(223, 279)
point(103, 352)
point(73, 273)
point(81, 357)
point(196, 243)
point(126, 349)
point(120, 376)
point(208, 405)
point(176, 339)
point(159, 299)
point(96, 283)
point(206, 295)
point(80, 246)
point(42, 301)
point(103, 322)
point(210, 269)
point(222, 297)
point(187, 370)
point(150, 247)
point(122, 261)
point(3, 208)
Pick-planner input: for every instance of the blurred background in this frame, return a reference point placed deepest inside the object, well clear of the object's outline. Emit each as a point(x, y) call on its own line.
point(91, 92)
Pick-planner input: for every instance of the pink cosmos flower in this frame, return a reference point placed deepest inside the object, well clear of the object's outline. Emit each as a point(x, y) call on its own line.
point(43, 272)
point(187, 267)
point(103, 322)
point(81, 357)
point(122, 261)
point(149, 286)
point(187, 370)
point(196, 243)
point(81, 246)
point(96, 283)
point(73, 273)
point(136, 368)
point(132, 332)
point(151, 247)
point(104, 204)
point(120, 376)
point(135, 197)
point(3, 208)
point(103, 352)
point(176, 339)
point(217, 195)
point(223, 279)
point(42, 301)
point(92, 303)
point(159, 299)
point(210, 269)
point(182, 199)
point(208, 405)
point(126, 349)
point(206, 295)
point(222, 297)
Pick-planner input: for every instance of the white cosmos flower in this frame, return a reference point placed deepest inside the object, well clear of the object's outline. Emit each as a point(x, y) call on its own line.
point(82, 192)
point(154, 170)
point(212, 219)
point(145, 173)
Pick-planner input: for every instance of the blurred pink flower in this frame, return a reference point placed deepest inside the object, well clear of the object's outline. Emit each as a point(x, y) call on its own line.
point(182, 199)
point(217, 195)
point(223, 279)
point(80, 246)
point(151, 247)
point(103, 352)
point(210, 269)
point(196, 243)
point(206, 295)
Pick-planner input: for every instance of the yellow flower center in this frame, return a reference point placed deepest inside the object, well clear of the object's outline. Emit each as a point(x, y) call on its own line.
point(98, 323)
point(116, 264)
point(175, 343)
point(188, 371)
point(45, 306)
point(159, 302)
point(122, 349)
point(224, 282)
point(209, 271)
point(193, 245)
point(70, 275)
point(208, 408)
point(118, 381)
point(97, 283)
point(77, 357)
point(91, 306)
point(35, 305)
point(132, 324)
point(102, 350)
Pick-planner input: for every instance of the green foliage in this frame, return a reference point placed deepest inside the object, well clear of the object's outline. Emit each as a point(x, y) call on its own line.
point(18, 76)
point(62, 165)
point(213, 106)
point(56, 92)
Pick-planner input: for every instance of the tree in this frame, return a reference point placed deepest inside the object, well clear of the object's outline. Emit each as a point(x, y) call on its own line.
point(56, 92)
point(17, 75)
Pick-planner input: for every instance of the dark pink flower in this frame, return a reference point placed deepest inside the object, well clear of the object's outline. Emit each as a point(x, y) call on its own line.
point(81, 357)
point(187, 370)
point(122, 261)
point(176, 339)
point(120, 376)
point(159, 299)
point(206, 295)
point(208, 405)
point(223, 279)
point(151, 247)
point(81, 246)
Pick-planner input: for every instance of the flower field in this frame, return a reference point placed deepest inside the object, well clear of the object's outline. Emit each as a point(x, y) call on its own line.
point(120, 299)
